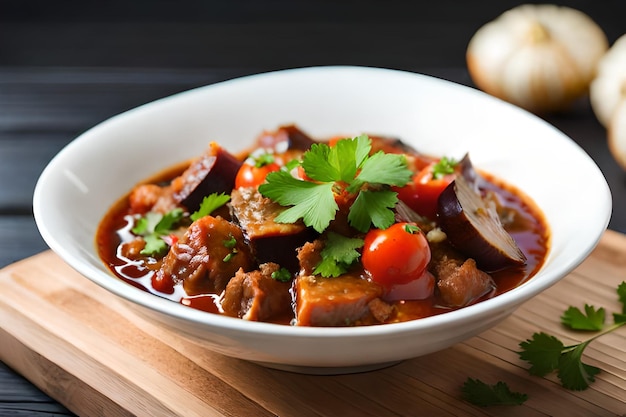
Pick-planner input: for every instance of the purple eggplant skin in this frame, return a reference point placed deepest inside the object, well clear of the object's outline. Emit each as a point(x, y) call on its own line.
point(286, 138)
point(473, 228)
point(213, 172)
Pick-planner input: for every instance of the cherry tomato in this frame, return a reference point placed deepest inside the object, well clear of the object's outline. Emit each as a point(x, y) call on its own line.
point(422, 193)
point(396, 255)
point(252, 174)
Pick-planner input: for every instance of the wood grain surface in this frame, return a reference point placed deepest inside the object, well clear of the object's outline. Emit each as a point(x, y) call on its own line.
point(66, 66)
point(89, 351)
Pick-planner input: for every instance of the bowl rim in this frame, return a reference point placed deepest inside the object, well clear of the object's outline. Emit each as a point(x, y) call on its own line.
point(503, 302)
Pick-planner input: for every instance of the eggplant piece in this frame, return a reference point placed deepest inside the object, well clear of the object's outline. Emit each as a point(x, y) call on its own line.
point(270, 241)
point(473, 227)
point(286, 138)
point(213, 172)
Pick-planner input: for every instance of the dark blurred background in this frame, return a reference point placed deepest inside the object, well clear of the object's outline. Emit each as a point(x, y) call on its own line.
point(265, 35)
point(68, 65)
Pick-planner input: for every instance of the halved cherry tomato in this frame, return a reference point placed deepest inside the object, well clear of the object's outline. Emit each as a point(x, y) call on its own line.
point(396, 255)
point(422, 193)
point(252, 172)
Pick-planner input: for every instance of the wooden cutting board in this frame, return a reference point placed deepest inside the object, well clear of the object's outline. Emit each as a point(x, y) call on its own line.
point(91, 353)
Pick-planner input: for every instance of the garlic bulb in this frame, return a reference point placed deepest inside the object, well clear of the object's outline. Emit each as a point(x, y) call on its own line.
point(539, 57)
point(617, 134)
point(608, 89)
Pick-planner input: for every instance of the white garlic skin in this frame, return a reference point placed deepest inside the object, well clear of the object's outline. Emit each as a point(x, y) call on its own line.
point(608, 89)
point(539, 57)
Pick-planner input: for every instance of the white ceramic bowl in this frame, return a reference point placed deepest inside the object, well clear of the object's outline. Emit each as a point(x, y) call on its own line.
point(436, 116)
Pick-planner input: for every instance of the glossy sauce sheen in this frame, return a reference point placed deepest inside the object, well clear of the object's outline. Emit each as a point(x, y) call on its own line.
point(530, 232)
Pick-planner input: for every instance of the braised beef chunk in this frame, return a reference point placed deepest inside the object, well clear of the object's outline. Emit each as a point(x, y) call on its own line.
point(209, 254)
point(143, 197)
point(380, 310)
point(213, 172)
point(340, 301)
point(285, 138)
point(270, 241)
point(256, 295)
point(459, 281)
point(309, 256)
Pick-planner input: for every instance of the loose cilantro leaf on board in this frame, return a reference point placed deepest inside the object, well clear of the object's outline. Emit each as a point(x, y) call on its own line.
point(343, 169)
point(338, 255)
point(542, 352)
point(209, 204)
point(621, 294)
point(591, 319)
point(546, 353)
point(152, 226)
point(479, 393)
point(573, 373)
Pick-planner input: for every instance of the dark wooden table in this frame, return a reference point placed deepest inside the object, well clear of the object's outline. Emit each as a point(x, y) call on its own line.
point(66, 66)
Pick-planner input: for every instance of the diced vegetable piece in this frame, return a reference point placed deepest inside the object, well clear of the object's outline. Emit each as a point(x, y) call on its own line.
point(213, 172)
point(270, 241)
point(473, 227)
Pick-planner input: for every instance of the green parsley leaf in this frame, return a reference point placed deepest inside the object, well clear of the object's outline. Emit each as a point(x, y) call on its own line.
point(373, 208)
point(209, 204)
point(573, 373)
point(385, 168)
point(155, 246)
point(345, 167)
point(147, 223)
point(591, 319)
point(312, 202)
point(321, 164)
point(621, 295)
point(152, 226)
point(482, 394)
point(338, 255)
point(169, 221)
point(542, 352)
point(445, 166)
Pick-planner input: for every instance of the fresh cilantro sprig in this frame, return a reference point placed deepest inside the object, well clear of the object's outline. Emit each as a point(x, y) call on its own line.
point(547, 354)
point(479, 393)
point(209, 204)
point(152, 226)
point(346, 169)
point(338, 255)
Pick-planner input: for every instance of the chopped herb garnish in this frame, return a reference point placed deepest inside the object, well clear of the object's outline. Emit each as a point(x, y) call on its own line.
point(209, 204)
point(445, 166)
point(346, 168)
point(282, 275)
point(411, 228)
point(231, 242)
point(338, 255)
point(546, 353)
point(479, 393)
point(152, 226)
point(228, 257)
point(263, 159)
